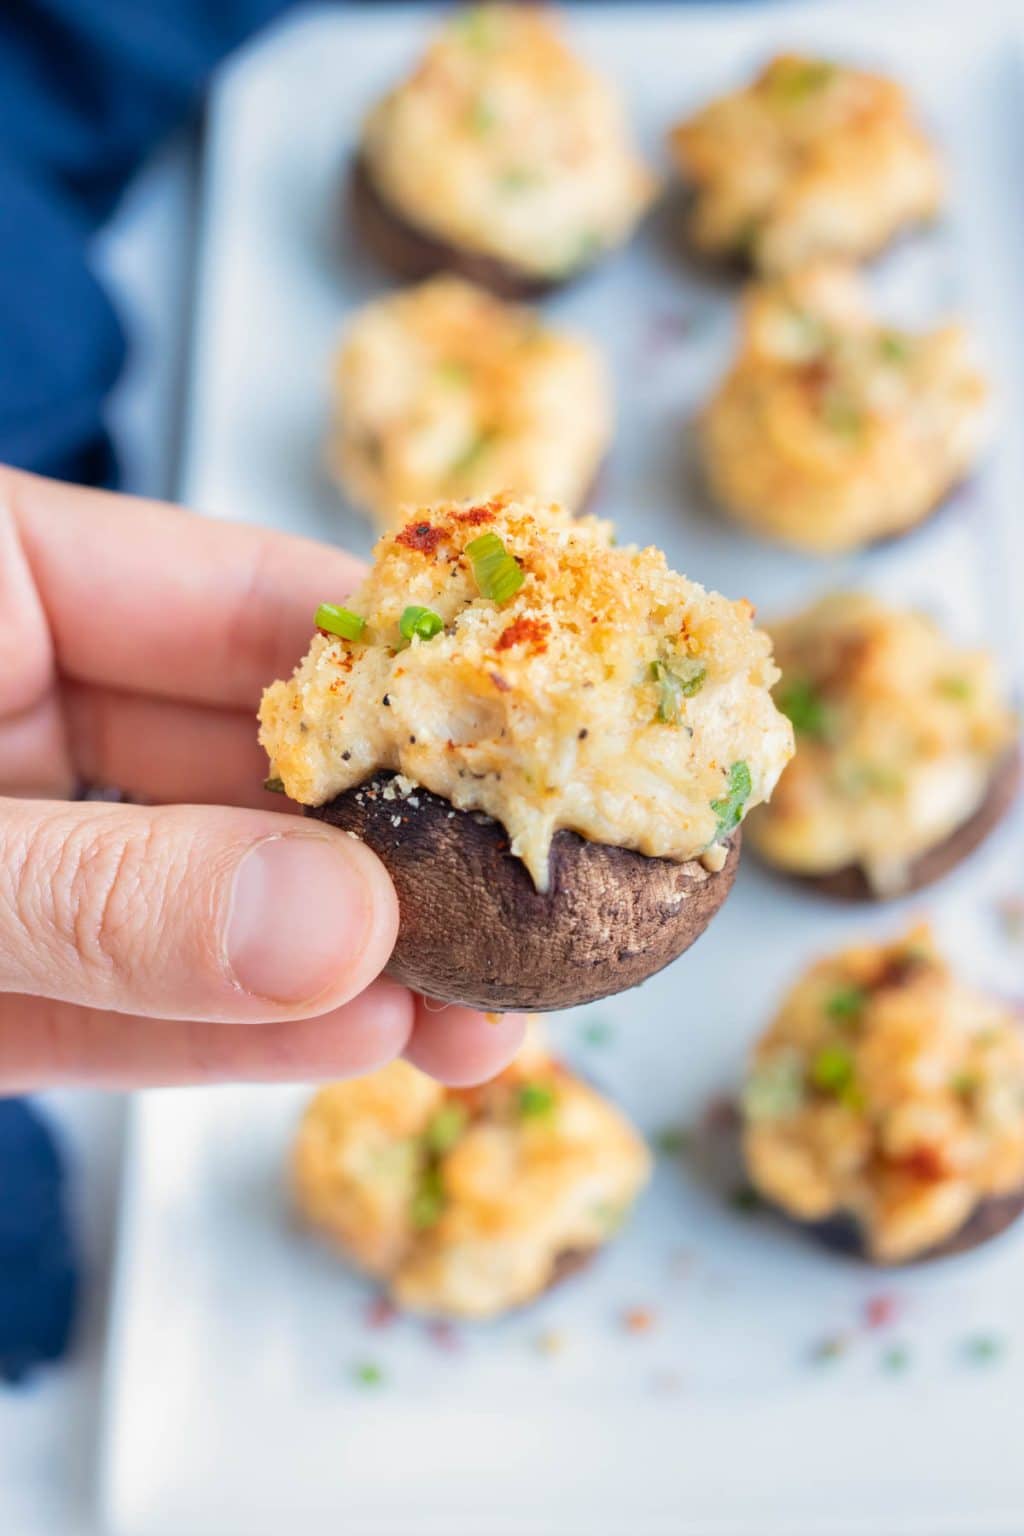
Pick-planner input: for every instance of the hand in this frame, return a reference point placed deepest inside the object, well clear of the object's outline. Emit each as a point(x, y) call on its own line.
point(180, 941)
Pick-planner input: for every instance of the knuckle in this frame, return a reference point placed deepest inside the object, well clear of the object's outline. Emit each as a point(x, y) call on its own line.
point(108, 895)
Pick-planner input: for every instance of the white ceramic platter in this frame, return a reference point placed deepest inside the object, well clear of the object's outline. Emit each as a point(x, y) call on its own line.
point(759, 1399)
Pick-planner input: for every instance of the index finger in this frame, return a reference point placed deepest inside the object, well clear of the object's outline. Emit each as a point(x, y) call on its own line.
point(151, 598)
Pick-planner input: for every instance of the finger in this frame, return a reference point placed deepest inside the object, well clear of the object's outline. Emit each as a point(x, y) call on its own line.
point(188, 912)
point(179, 605)
point(166, 752)
point(45, 1043)
point(460, 1046)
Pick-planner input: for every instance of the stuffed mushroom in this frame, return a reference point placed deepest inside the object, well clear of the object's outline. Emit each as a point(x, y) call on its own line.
point(832, 430)
point(550, 740)
point(811, 159)
point(502, 156)
point(444, 391)
point(884, 1106)
point(467, 1202)
point(907, 752)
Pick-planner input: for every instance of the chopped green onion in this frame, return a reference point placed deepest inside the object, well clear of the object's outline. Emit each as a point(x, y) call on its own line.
point(673, 1141)
point(274, 785)
point(478, 26)
point(482, 115)
point(831, 1070)
point(367, 1374)
point(729, 809)
point(746, 1200)
point(846, 1004)
point(339, 621)
point(452, 371)
point(955, 687)
point(536, 1101)
point(983, 1348)
point(497, 573)
point(842, 415)
point(517, 178)
point(445, 1128)
point(775, 1088)
point(798, 80)
point(474, 451)
point(893, 347)
point(802, 704)
point(428, 1201)
point(677, 680)
point(965, 1084)
point(896, 1358)
point(423, 623)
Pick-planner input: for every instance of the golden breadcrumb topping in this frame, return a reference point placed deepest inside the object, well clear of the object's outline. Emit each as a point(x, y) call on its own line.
point(898, 733)
point(466, 1202)
point(604, 693)
point(811, 159)
point(502, 142)
point(444, 392)
point(833, 429)
point(889, 1091)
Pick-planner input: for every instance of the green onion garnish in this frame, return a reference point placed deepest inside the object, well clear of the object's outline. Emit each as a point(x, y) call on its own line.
point(893, 347)
point(803, 705)
point(831, 1070)
point(536, 1101)
point(729, 809)
point(274, 785)
point(339, 621)
point(846, 1004)
point(424, 623)
point(842, 415)
point(958, 688)
point(445, 1128)
point(497, 573)
point(367, 1374)
point(677, 680)
point(775, 1088)
point(428, 1201)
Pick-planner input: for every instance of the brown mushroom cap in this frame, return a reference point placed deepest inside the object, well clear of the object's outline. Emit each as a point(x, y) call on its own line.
point(411, 253)
point(988, 1220)
point(475, 930)
point(851, 884)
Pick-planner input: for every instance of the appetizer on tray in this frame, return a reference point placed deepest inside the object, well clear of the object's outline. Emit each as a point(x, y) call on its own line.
point(884, 1106)
point(467, 1202)
point(444, 392)
point(906, 750)
point(833, 430)
point(812, 158)
point(502, 156)
point(549, 740)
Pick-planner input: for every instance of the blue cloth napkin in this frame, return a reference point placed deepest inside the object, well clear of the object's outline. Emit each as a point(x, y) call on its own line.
point(39, 1270)
point(87, 89)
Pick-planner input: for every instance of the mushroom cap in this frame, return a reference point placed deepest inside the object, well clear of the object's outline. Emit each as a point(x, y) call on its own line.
point(475, 930)
point(411, 253)
point(989, 1219)
point(851, 884)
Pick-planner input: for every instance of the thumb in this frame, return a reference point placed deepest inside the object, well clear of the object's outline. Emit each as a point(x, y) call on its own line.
point(188, 912)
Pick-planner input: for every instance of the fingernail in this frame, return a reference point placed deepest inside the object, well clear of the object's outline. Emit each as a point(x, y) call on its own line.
point(300, 915)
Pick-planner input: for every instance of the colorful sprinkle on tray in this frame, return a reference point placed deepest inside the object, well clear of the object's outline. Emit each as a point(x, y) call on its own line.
point(984, 1348)
point(367, 1374)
